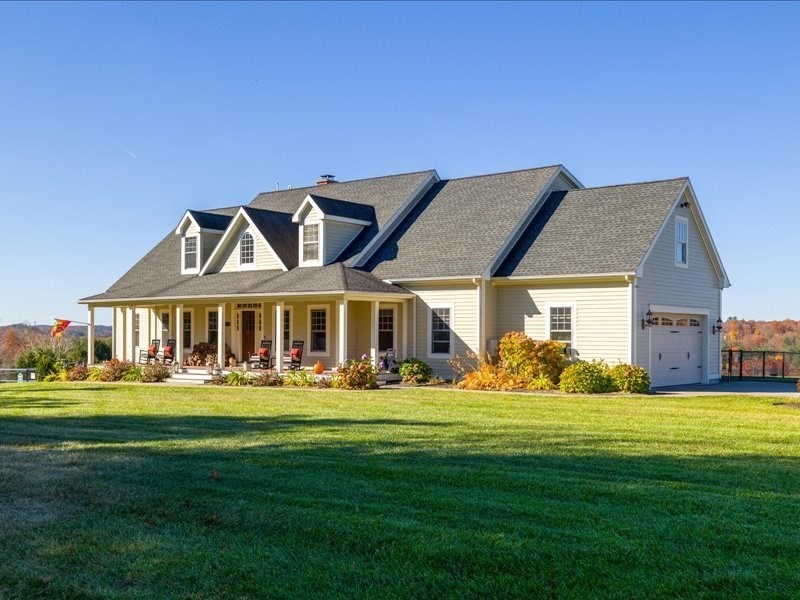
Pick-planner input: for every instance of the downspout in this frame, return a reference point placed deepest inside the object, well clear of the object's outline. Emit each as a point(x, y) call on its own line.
point(632, 332)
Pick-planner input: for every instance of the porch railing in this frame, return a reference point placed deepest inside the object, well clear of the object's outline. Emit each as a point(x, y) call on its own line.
point(742, 365)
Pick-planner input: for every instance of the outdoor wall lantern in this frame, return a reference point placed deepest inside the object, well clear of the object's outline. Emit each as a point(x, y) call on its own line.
point(648, 320)
point(718, 327)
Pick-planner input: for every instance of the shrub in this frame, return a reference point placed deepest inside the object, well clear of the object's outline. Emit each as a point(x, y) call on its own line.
point(152, 373)
point(133, 374)
point(237, 378)
point(114, 370)
point(525, 358)
point(490, 377)
point(78, 373)
point(356, 375)
point(541, 382)
point(413, 370)
point(586, 378)
point(266, 379)
point(298, 379)
point(630, 378)
point(95, 373)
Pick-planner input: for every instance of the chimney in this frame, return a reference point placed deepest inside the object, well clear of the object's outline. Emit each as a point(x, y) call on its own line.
point(326, 179)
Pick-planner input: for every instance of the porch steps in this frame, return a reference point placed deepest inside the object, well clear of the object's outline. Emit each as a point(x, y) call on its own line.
point(190, 377)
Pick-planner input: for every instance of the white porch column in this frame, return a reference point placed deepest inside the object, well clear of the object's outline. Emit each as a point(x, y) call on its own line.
point(90, 337)
point(374, 333)
point(179, 335)
point(342, 322)
point(404, 330)
point(278, 348)
point(414, 326)
point(221, 335)
point(128, 346)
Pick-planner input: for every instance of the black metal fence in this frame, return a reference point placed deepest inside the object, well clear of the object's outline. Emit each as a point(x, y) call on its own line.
point(17, 375)
point(742, 365)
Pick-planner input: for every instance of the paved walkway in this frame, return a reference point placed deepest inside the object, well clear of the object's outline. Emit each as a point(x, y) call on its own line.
point(749, 388)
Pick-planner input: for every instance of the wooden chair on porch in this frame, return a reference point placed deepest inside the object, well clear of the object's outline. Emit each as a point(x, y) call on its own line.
point(168, 356)
point(296, 354)
point(151, 354)
point(263, 358)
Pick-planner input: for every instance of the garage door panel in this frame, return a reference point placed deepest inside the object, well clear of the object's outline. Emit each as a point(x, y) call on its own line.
point(676, 350)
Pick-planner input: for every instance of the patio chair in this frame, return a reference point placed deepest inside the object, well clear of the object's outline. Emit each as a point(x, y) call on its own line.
point(168, 355)
point(296, 354)
point(388, 362)
point(151, 354)
point(263, 358)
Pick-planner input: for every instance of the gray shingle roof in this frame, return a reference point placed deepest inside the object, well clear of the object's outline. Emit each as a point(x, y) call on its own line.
point(279, 231)
point(331, 278)
point(592, 231)
point(157, 274)
point(210, 220)
point(459, 226)
point(342, 208)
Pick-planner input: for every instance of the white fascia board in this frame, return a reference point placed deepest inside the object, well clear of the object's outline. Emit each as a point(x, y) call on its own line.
point(679, 310)
point(307, 200)
point(348, 220)
point(161, 300)
point(181, 225)
point(428, 280)
point(571, 178)
point(395, 219)
point(241, 214)
point(517, 279)
point(527, 217)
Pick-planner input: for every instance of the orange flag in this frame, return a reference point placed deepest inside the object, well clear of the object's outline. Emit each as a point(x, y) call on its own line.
point(59, 327)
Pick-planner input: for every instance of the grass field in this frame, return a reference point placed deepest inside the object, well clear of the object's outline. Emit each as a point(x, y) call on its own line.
point(136, 491)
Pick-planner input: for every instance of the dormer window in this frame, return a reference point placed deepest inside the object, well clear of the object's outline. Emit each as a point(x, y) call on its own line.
point(190, 252)
point(311, 242)
point(246, 250)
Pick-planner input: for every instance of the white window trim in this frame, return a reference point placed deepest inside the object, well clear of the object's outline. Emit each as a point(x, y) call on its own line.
point(248, 266)
point(327, 309)
point(210, 311)
point(287, 347)
point(429, 334)
point(574, 316)
point(193, 326)
point(161, 328)
point(393, 308)
point(196, 269)
point(685, 221)
point(318, 262)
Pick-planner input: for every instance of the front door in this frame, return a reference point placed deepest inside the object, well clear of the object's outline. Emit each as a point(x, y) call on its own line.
point(248, 333)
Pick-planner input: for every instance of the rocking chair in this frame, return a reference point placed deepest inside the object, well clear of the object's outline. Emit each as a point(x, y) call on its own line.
point(263, 359)
point(151, 354)
point(296, 355)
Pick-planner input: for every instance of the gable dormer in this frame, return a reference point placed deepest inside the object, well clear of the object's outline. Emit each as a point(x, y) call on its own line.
point(255, 239)
point(327, 226)
point(199, 232)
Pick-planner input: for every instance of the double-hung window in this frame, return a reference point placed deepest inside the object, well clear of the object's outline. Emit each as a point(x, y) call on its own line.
point(311, 242)
point(441, 330)
point(187, 329)
point(561, 325)
point(213, 326)
point(318, 319)
point(137, 320)
point(164, 328)
point(681, 241)
point(385, 328)
point(247, 251)
point(190, 252)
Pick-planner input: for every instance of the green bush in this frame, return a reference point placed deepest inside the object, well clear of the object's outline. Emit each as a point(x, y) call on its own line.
point(114, 370)
point(526, 359)
point(356, 375)
point(299, 379)
point(133, 374)
point(266, 379)
point(46, 361)
point(586, 378)
point(413, 370)
point(237, 378)
point(152, 373)
point(630, 378)
point(95, 373)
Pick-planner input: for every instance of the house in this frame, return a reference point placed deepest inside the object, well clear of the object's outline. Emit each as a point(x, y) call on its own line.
point(437, 267)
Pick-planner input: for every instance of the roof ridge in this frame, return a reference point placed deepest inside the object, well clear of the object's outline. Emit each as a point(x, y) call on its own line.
point(315, 186)
point(502, 172)
point(600, 187)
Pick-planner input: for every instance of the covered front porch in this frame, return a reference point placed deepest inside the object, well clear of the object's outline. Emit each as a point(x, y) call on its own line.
point(334, 327)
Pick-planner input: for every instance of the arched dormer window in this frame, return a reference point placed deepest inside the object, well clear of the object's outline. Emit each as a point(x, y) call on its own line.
point(246, 250)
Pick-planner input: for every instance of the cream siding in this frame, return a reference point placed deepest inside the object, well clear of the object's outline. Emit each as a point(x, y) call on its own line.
point(337, 237)
point(119, 332)
point(359, 317)
point(663, 283)
point(264, 259)
point(464, 322)
point(600, 319)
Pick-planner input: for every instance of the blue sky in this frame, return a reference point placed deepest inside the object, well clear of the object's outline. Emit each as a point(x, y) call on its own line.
point(115, 118)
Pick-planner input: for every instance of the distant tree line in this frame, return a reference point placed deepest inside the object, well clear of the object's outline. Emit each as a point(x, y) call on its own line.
point(779, 336)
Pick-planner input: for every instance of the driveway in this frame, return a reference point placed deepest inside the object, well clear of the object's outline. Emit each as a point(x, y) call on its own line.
point(749, 388)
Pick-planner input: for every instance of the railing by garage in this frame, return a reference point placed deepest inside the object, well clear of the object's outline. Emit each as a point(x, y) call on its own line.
point(760, 365)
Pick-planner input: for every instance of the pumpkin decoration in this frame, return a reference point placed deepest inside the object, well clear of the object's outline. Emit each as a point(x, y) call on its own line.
point(318, 368)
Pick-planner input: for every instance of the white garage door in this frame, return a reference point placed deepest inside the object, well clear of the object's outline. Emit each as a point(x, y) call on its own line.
point(676, 349)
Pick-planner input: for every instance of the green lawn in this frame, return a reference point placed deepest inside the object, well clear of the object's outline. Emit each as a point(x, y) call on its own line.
point(135, 491)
